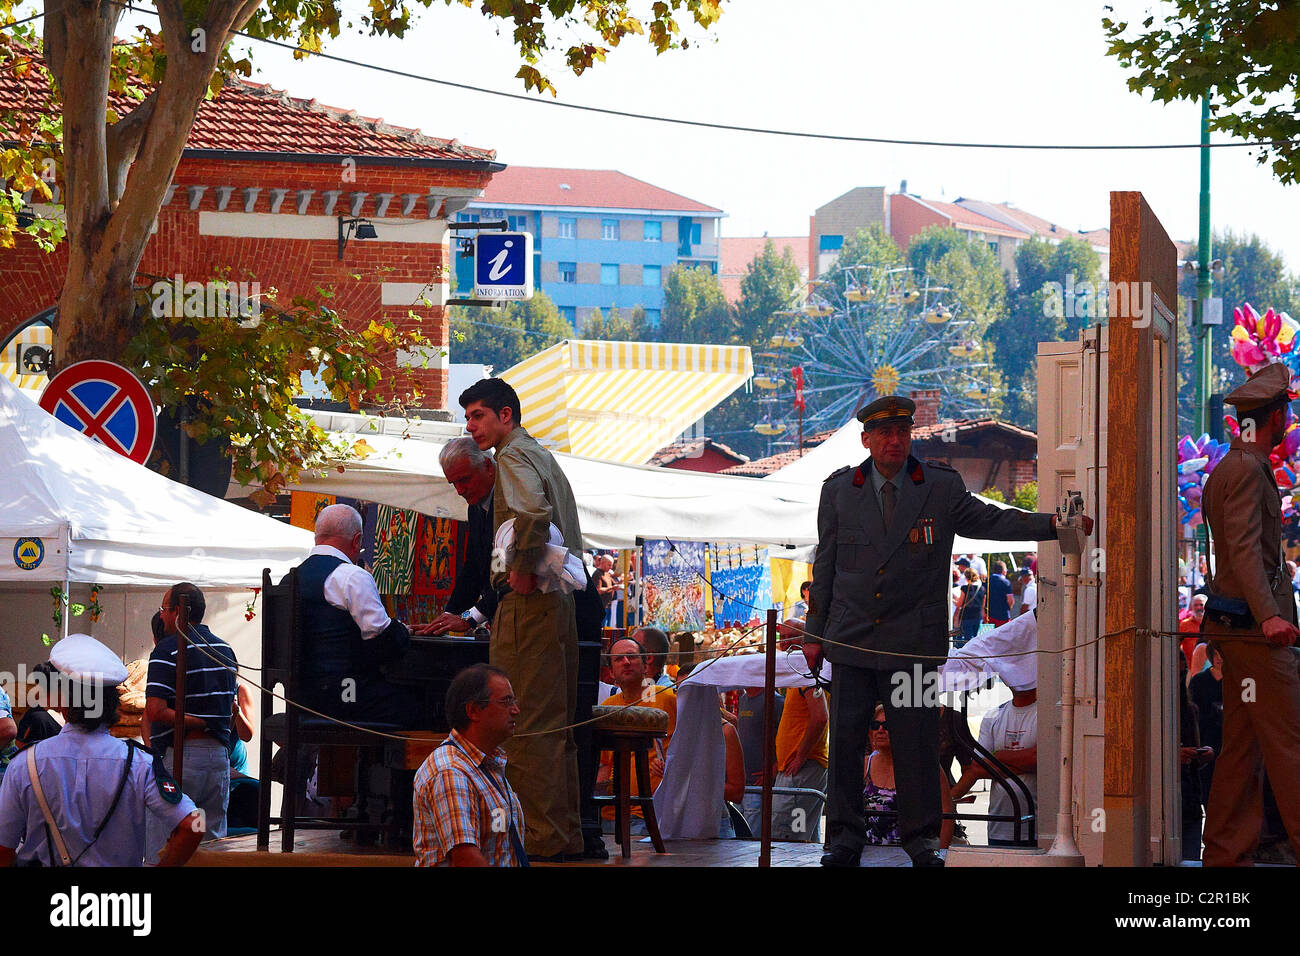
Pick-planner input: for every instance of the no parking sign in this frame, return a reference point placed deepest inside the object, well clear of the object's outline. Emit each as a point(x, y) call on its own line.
point(106, 402)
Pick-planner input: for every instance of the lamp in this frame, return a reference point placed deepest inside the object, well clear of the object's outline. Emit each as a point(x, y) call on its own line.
point(358, 228)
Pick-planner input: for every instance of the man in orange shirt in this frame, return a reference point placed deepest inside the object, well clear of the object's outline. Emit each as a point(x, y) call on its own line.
point(627, 660)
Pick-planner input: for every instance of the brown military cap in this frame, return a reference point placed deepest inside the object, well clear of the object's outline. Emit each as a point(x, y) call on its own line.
point(891, 408)
point(1269, 383)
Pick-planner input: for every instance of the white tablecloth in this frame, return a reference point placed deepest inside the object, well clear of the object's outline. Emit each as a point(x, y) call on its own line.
point(688, 802)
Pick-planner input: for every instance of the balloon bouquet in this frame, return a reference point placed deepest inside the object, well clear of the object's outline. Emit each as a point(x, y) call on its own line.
point(1258, 341)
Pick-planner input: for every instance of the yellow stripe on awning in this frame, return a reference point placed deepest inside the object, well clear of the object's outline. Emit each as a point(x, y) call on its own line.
point(623, 401)
point(32, 384)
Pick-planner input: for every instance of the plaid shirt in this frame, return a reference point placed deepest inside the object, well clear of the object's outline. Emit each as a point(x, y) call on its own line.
point(457, 802)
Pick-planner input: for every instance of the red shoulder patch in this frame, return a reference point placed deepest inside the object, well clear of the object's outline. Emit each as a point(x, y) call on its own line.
point(859, 479)
point(918, 476)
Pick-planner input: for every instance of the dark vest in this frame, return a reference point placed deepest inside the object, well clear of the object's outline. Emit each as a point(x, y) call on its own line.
point(331, 639)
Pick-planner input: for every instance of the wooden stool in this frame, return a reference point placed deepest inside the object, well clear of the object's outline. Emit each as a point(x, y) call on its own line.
point(630, 732)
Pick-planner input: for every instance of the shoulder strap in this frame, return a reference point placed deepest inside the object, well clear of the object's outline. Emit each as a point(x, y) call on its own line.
point(52, 828)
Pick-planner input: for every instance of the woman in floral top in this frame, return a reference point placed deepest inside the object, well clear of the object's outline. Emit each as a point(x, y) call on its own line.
point(880, 794)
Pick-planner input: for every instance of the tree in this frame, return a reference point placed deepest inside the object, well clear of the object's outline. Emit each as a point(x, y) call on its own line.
point(1039, 311)
point(771, 284)
point(1242, 54)
point(947, 257)
point(616, 328)
point(505, 337)
point(116, 168)
point(867, 247)
point(695, 308)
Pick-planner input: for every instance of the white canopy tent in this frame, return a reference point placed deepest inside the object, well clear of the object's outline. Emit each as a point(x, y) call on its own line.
point(102, 519)
point(616, 503)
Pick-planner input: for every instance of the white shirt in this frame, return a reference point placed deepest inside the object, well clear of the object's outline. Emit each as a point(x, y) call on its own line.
point(1030, 598)
point(978, 566)
point(1010, 728)
point(352, 588)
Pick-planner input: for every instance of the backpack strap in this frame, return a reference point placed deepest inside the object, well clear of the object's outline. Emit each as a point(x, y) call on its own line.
point(51, 828)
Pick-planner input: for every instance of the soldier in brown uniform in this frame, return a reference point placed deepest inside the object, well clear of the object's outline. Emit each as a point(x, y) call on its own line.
point(1261, 692)
point(534, 634)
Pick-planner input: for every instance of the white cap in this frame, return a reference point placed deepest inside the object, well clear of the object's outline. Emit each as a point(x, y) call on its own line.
point(82, 658)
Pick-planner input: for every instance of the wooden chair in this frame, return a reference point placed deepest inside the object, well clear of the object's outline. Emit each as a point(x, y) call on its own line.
point(293, 729)
point(630, 733)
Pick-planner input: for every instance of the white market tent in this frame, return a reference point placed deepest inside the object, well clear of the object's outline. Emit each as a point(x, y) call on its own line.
point(102, 519)
point(616, 503)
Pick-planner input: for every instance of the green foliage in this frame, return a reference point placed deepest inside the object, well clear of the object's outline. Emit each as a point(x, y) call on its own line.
point(695, 309)
point(771, 283)
point(867, 247)
point(1253, 273)
point(1242, 54)
point(1026, 496)
point(617, 327)
point(946, 257)
point(1035, 314)
point(244, 376)
point(505, 337)
point(993, 494)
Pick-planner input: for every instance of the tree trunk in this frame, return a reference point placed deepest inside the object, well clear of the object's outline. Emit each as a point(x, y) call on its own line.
point(109, 220)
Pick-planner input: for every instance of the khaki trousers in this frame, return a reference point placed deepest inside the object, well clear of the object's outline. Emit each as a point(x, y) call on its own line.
point(1262, 731)
point(535, 641)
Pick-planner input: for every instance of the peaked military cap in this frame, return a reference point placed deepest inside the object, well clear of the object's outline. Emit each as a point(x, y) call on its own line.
point(891, 408)
point(1268, 384)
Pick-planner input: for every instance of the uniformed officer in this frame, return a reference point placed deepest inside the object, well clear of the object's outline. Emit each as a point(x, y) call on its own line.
point(1261, 693)
point(880, 585)
point(80, 798)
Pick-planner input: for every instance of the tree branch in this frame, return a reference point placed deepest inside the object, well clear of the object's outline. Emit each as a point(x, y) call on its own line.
point(123, 139)
point(56, 39)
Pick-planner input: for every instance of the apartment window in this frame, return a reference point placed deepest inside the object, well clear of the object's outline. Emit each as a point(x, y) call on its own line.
point(569, 313)
point(829, 243)
point(652, 318)
point(467, 217)
point(609, 273)
point(568, 271)
point(653, 231)
point(568, 228)
point(993, 248)
point(650, 275)
point(609, 229)
point(695, 233)
point(517, 223)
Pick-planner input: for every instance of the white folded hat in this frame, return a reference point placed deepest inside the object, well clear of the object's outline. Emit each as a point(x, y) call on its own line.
point(82, 658)
point(559, 569)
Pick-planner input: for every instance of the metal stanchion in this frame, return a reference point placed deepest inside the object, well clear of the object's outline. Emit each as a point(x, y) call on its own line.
point(769, 740)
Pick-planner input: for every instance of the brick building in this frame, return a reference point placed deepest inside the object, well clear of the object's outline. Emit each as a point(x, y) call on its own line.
point(263, 191)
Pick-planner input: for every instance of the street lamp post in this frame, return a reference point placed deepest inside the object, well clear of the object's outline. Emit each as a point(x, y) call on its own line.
point(1204, 280)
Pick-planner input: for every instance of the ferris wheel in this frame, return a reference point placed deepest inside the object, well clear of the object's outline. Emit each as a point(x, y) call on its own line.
point(865, 332)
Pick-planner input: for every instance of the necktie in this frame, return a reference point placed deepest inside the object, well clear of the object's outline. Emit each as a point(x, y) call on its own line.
point(887, 503)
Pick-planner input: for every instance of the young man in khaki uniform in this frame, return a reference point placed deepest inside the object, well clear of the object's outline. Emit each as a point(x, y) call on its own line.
point(1261, 692)
point(534, 635)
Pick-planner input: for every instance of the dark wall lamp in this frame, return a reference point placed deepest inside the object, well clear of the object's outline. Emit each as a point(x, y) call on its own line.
point(359, 228)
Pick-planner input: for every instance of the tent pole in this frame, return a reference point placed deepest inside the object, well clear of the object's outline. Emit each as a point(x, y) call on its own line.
point(769, 740)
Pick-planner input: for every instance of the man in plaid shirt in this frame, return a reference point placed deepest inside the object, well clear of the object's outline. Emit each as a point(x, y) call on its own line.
point(465, 812)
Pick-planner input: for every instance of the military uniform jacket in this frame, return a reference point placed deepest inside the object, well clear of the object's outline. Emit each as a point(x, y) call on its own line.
point(1244, 509)
point(889, 592)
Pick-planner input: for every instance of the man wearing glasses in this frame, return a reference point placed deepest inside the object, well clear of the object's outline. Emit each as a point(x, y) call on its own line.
point(466, 813)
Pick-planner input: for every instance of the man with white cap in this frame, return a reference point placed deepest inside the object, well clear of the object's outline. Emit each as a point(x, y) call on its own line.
point(81, 798)
point(1251, 617)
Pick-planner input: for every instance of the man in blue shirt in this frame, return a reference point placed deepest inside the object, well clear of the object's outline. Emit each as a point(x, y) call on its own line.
point(209, 701)
point(999, 595)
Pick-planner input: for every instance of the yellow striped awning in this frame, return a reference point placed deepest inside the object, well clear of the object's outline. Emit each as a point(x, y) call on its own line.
point(33, 384)
point(623, 401)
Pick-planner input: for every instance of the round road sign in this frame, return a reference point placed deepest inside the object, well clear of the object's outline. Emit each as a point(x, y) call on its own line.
point(106, 402)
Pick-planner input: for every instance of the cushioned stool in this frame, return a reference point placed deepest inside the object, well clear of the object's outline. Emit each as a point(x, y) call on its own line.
point(630, 732)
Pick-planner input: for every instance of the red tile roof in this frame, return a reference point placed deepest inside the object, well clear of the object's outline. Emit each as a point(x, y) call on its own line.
point(254, 117)
point(962, 216)
point(693, 449)
point(765, 466)
point(584, 189)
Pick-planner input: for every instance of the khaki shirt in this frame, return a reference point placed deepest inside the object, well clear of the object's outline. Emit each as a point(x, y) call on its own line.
point(1244, 511)
point(533, 490)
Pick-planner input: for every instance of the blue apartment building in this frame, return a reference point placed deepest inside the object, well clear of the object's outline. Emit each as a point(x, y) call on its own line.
point(601, 239)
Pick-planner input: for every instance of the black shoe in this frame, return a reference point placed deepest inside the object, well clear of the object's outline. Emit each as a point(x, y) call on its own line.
point(927, 858)
point(594, 848)
point(842, 856)
point(553, 858)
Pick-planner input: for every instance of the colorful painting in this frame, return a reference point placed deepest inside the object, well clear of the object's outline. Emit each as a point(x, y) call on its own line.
point(304, 506)
point(436, 558)
point(394, 549)
point(674, 585)
point(741, 580)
